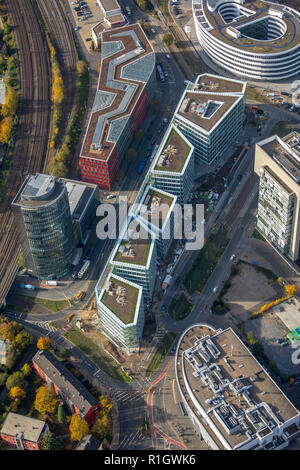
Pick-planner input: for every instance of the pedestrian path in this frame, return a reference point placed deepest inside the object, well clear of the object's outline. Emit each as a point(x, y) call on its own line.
point(131, 439)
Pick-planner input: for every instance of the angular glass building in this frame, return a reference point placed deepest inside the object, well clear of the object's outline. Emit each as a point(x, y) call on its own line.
point(43, 219)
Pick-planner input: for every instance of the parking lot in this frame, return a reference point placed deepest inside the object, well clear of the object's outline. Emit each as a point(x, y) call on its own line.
point(86, 14)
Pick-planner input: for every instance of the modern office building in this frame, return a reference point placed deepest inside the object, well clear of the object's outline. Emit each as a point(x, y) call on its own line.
point(156, 213)
point(44, 223)
point(277, 163)
point(210, 114)
point(232, 401)
point(23, 432)
point(135, 258)
point(126, 86)
point(173, 170)
point(83, 201)
point(70, 391)
point(121, 312)
point(255, 40)
point(110, 17)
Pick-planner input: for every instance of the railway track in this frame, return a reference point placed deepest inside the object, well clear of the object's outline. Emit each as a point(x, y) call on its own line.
point(33, 130)
point(57, 23)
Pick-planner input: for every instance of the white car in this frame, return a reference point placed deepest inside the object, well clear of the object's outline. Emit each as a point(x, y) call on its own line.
point(215, 289)
point(110, 196)
point(153, 31)
point(168, 56)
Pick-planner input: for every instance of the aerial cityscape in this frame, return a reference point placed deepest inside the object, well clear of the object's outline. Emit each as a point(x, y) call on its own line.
point(150, 227)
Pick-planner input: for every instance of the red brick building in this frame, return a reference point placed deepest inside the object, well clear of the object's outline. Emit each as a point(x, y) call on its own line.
point(126, 85)
point(71, 392)
point(23, 432)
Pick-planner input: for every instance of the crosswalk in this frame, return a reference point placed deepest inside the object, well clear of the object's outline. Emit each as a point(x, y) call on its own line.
point(125, 397)
point(130, 440)
point(43, 324)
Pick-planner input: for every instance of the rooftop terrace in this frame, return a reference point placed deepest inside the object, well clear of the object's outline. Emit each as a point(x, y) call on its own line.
point(227, 382)
point(284, 152)
point(156, 206)
point(133, 251)
point(121, 298)
point(174, 154)
point(259, 10)
point(206, 110)
point(127, 63)
point(213, 84)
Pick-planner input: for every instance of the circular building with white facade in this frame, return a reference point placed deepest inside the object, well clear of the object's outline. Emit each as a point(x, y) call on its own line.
point(253, 39)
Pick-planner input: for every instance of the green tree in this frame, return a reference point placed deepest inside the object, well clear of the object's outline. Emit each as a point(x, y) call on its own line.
point(61, 415)
point(46, 400)
point(16, 379)
point(131, 155)
point(9, 108)
point(78, 428)
point(51, 442)
point(26, 369)
point(168, 39)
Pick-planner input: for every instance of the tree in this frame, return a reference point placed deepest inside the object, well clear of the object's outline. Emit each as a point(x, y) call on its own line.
point(291, 289)
point(3, 378)
point(61, 415)
point(7, 331)
point(5, 129)
point(103, 427)
point(280, 281)
point(17, 392)
point(16, 380)
point(26, 369)
point(78, 428)
point(51, 442)
point(168, 39)
point(81, 67)
point(105, 404)
point(131, 155)
point(44, 343)
point(21, 260)
point(46, 400)
point(9, 108)
point(24, 339)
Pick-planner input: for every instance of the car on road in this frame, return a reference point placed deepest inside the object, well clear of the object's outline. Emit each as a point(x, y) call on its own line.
point(153, 31)
point(168, 56)
point(163, 309)
point(215, 290)
point(110, 196)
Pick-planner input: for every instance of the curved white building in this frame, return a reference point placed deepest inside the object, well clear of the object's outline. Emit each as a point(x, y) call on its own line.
point(254, 40)
point(232, 401)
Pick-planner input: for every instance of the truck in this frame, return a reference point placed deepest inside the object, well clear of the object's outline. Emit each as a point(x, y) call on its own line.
point(160, 73)
point(84, 269)
point(80, 295)
point(27, 286)
point(141, 167)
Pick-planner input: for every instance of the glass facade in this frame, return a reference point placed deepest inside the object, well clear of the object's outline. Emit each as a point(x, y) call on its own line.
point(275, 212)
point(47, 236)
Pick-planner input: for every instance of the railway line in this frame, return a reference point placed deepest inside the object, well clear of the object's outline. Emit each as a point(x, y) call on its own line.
point(57, 23)
point(33, 131)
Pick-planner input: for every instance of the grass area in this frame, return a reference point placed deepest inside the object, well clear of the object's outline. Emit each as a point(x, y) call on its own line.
point(29, 302)
point(258, 236)
point(96, 354)
point(180, 308)
point(267, 272)
point(282, 128)
point(206, 261)
point(187, 53)
point(253, 94)
point(160, 353)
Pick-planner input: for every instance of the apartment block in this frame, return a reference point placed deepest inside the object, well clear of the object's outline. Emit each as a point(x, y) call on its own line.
point(277, 163)
point(135, 258)
point(156, 213)
point(121, 312)
point(210, 114)
point(173, 170)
